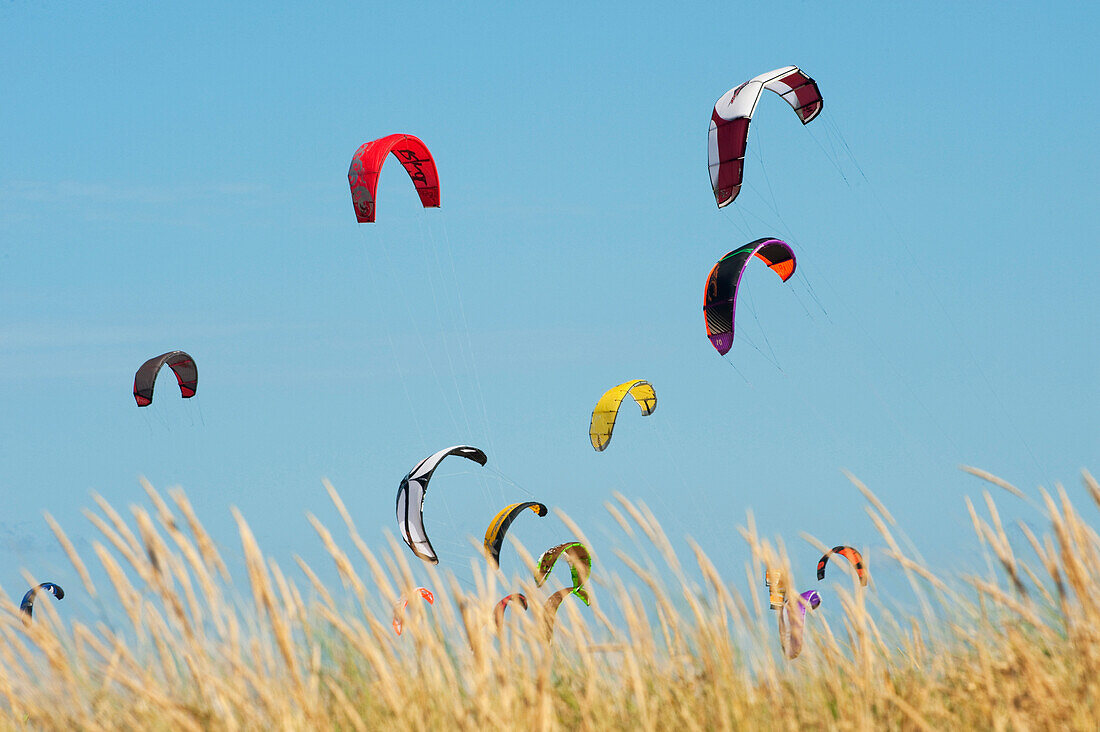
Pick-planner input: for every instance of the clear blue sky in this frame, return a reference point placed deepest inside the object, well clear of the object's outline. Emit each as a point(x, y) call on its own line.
point(175, 177)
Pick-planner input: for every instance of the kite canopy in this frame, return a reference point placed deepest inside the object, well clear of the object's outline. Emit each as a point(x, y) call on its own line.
point(792, 641)
point(399, 609)
point(366, 166)
point(27, 605)
point(729, 123)
point(607, 409)
point(550, 610)
point(777, 588)
point(852, 555)
point(410, 498)
point(498, 612)
point(720, 296)
point(580, 565)
point(182, 365)
point(498, 527)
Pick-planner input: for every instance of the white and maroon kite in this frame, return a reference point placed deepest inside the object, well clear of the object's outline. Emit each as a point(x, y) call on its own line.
point(729, 124)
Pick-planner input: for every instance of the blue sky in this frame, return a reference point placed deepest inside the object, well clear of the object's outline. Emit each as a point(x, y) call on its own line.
point(175, 177)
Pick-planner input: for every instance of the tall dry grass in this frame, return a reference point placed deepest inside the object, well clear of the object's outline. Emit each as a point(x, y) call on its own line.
point(671, 646)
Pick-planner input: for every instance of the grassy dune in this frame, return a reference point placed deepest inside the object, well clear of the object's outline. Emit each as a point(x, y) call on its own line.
point(672, 646)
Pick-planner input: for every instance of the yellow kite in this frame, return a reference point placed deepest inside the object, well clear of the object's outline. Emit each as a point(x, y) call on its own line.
point(607, 408)
point(498, 527)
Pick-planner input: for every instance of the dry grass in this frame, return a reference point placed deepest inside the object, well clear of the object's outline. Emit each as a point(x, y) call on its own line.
point(664, 648)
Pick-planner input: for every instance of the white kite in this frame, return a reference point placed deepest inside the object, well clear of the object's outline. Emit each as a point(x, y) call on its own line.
point(410, 499)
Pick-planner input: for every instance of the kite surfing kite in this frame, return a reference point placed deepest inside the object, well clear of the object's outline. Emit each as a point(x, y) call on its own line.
point(410, 498)
point(550, 610)
point(729, 123)
point(498, 612)
point(27, 605)
point(777, 588)
point(792, 641)
point(367, 165)
point(852, 555)
point(720, 296)
point(399, 609)
point(498, 527)
point(607, 409)
point(580, 565)
point(182, 365)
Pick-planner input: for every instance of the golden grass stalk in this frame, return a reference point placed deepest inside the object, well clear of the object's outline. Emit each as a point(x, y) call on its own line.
point(672, 644)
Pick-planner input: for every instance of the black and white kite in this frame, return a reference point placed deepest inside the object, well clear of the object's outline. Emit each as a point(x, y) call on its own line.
point(410, 499)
